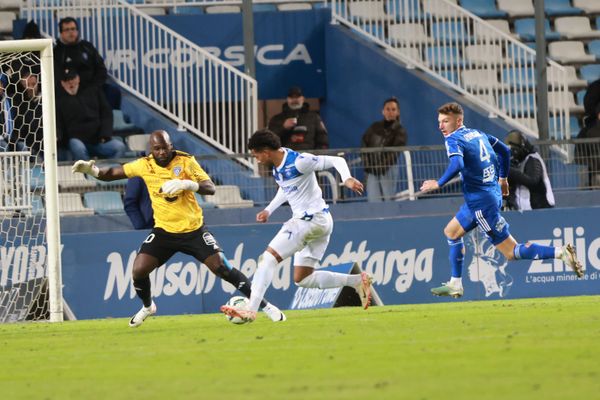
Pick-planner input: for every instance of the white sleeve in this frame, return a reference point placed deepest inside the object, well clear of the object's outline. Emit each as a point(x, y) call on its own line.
point(277, 201)
point(307, 162)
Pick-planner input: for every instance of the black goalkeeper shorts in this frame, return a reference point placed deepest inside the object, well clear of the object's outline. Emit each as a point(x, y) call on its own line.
point(161, 244)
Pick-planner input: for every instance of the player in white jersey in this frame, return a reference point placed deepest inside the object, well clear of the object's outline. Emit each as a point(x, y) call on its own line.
point(307, 233)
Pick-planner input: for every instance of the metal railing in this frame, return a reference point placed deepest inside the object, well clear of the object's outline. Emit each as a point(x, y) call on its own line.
point(411, 166)
point(201, 93)
point(472, 56)
point(14, 181)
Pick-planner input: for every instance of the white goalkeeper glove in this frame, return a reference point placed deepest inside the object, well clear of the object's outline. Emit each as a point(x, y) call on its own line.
point(86, 167)
point(176, 185)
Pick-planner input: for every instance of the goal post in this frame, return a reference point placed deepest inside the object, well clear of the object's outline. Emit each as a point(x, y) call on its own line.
point(32, 279)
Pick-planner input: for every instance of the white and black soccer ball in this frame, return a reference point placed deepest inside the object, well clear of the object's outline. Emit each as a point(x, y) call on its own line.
point(238, 302)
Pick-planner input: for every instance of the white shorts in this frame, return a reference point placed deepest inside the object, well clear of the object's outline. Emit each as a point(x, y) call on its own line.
point(306, 240)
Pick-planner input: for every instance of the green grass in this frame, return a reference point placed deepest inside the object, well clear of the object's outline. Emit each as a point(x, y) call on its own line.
point(518, 349)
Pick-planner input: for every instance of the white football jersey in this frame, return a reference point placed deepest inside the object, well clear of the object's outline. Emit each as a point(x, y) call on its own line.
point(298, 183)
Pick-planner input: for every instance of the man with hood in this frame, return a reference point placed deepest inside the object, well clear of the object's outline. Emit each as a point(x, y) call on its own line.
point(71, 52)
point(298, 127)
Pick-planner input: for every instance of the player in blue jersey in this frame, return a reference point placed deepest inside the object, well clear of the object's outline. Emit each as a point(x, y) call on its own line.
point(483, 162)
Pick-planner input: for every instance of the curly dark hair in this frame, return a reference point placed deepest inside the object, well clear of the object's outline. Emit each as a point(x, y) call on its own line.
point(264, 139)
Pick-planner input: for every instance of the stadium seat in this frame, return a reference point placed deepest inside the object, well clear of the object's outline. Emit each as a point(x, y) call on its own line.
point(11, 4)
point(483, 8)
point(225, 9)
point(77, 13)
point(482, 54)
point(575, 28)
point(554, 127)
point(408, 34)
point(449, 31)
point(68, 180)
point(530, 123)
point(186, 10)
point(481, 80)
point(517, 8)
point(580, 96)
point(558, 100)
point(139, 143)
point(71, 204)
point(594, 48)
point(525, 28)
point(589, 6)
point(263, 7)
point(483, 31)
point(590, 72)
point(518, 104)
point(555, 8)
point(439, 9)
point(519, 77)
point(121, 126)
point(443, 56)
point(553, 74)
point(405, 10)
point(228, 196)
point(569, 52)
point(6, 21)
point(104, 202)
point(368, 11)
point(294, 6)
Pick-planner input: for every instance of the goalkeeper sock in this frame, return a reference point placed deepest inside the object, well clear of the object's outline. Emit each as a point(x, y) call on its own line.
point(262, 278)
point(237, 279)
point(142, 288)
point(328, 280)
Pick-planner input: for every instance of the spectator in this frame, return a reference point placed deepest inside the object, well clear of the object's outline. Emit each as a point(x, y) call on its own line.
point(31, 31)
point(71, 52)
point(588, 153)
point(380, 168)
point(298, 127)
point(591, 100)
point(84, 120)
point(6, 114)
point(27, 101)
point(138, 205)
point(528, 180)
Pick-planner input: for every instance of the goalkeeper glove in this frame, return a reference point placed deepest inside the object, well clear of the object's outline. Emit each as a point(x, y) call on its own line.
point(86, 167)
point(175, 185)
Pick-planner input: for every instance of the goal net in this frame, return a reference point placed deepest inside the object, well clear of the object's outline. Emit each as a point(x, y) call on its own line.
point(30, 281)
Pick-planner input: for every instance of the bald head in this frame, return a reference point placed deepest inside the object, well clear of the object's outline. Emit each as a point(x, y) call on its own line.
point(161, 147)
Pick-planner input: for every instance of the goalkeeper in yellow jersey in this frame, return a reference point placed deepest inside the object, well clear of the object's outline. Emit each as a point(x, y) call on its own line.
point(172, 177)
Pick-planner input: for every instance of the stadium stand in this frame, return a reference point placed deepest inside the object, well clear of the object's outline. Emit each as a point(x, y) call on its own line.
point(293, 7)
point(560, 7)
point(590, 73)
point(517, 8)
point(575, 28)
point(568, 52)
point(589, 6)
point(71, 204)
point(228, 196)
point(525, 28)
point(105, 202)
point(483, 8)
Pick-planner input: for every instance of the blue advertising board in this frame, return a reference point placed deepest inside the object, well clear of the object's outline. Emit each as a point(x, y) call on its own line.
point(406, 256)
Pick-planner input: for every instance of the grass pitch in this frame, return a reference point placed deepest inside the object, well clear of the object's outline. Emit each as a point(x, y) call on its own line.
point(517, 349)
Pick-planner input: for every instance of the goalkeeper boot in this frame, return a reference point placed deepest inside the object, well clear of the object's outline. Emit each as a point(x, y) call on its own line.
point(448, 290)
point(141, 315)
point(238, 312)
point(364, 289)
point(274, 313)
point(570, 258)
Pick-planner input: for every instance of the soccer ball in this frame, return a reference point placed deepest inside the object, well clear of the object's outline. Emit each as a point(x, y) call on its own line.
point(239, 302)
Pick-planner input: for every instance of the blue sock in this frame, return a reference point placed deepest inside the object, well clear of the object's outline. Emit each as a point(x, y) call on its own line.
point(533, 251)
point(456, 256)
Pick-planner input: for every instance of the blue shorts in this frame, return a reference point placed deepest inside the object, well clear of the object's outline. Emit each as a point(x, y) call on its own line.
point(487, 218)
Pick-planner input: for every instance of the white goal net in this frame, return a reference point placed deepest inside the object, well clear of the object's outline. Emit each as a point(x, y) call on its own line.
point(30, 281)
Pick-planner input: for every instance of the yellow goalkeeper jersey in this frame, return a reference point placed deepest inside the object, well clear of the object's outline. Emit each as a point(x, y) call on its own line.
point(180, 212)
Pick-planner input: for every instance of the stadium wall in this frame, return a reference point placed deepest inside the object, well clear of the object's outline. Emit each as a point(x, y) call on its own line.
point(407, 257)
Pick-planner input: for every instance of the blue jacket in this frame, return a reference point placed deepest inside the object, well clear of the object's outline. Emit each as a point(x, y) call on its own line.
point(138, 205)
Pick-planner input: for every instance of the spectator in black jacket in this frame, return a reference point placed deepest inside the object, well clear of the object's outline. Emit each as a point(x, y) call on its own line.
point(297, 126)
point(84, 120)
point(381, 167)
point(71, 52)
point(138, 205)
point(528, 180)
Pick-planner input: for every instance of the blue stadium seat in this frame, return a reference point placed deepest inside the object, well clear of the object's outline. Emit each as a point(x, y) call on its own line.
point(590, 72)
point(594, 45)
point(553, 127)
point(320, 5)
point(524, 103)
point(449, 31)
point(104, 202)
point(483, 8)
point(443, 56)
point(519, 77)
point(203, 203)
point(580, 95)
point(37, 178)
point(406, 10)
point(525, 28)
point(263, 7)
point(186, 10)
point(555, 8)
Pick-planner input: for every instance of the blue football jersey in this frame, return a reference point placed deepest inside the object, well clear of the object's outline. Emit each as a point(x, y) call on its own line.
point(479, 174)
